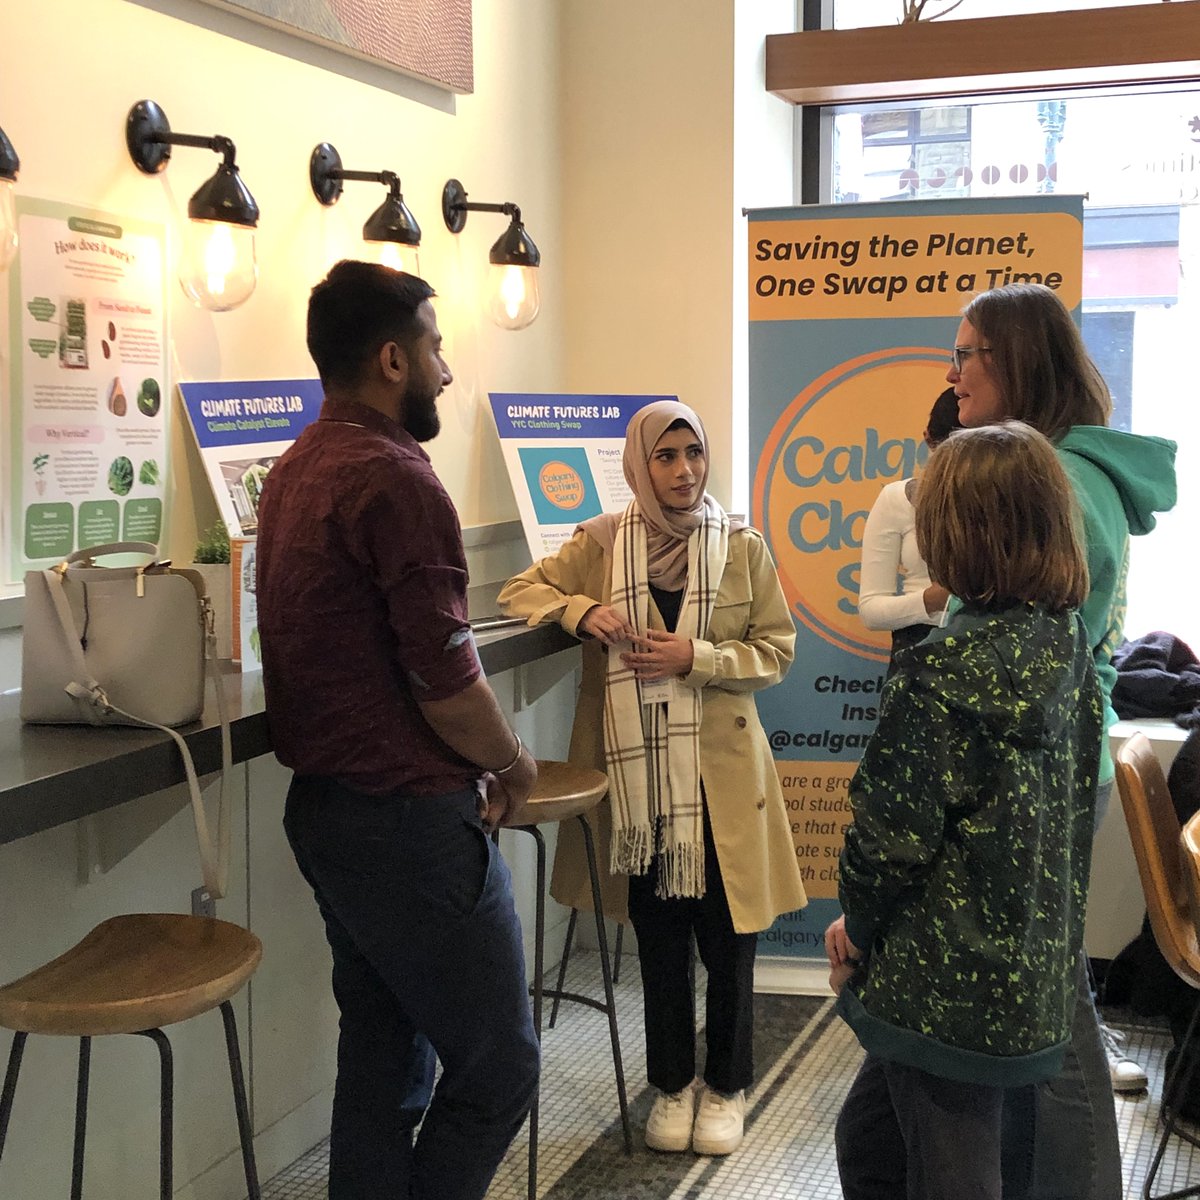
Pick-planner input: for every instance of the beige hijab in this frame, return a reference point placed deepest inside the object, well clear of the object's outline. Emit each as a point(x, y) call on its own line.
point(668, 529)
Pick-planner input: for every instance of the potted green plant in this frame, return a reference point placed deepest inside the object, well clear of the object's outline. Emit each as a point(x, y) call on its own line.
point(211, 560)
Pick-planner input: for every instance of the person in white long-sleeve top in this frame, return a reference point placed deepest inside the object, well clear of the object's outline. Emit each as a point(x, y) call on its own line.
point(910, 607)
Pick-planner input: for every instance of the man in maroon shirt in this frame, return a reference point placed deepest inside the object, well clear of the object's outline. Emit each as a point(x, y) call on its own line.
point(403, 760)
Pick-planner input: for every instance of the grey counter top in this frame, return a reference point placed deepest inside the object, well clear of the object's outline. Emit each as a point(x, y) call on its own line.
point(51, 774)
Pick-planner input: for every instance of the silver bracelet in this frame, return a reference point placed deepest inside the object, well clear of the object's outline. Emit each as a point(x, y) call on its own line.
point(516, 757)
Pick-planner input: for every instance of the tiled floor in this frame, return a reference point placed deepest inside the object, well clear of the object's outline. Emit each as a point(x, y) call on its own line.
point(805, 1057)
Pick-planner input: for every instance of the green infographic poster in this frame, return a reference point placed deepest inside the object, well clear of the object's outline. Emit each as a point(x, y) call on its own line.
point(87, 382)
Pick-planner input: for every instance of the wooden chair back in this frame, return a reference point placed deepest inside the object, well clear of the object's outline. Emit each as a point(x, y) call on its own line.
point(1155, 833)
point(1189, 861)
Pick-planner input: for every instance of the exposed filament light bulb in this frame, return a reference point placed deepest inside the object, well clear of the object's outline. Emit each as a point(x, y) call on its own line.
point(513, 297)
point(218, 270)
point(397, 256)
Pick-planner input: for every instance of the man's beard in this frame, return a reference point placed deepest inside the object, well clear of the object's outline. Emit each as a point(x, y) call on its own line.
point(421, 417)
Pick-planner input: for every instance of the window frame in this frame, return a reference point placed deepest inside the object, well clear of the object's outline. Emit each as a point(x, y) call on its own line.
point(1129, 46)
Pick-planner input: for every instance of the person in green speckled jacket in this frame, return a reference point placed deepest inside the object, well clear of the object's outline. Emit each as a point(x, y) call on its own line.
point(964, 874)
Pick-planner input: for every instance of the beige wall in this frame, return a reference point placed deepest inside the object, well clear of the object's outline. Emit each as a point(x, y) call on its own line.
point(631, 135)
point(647, 173)
point(668, 134)
point(73, 68)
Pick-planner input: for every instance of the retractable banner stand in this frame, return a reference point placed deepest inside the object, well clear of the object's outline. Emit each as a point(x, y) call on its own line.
point(853, 311)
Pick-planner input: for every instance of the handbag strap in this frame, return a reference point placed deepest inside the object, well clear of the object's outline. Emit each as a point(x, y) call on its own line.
point(214, 860)
point(91, 552)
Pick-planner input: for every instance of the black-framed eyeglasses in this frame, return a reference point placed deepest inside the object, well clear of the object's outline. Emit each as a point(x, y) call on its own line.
point(960, 352)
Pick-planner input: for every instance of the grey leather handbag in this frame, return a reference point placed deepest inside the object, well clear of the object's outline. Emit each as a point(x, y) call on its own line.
point(127, 646)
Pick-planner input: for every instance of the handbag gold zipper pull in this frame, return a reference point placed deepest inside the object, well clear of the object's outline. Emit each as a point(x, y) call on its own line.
point(141, 581)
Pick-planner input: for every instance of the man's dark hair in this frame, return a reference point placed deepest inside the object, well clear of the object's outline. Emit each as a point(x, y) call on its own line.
point(354, 310)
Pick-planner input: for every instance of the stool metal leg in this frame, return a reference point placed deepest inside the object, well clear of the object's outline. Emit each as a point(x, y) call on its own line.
point(166, 1125)
point(562, 966)
point(606, 972)
point(81, 1100)
point(566, 958)
point(245, 1129)
point(10, 1084)
point(539, 951)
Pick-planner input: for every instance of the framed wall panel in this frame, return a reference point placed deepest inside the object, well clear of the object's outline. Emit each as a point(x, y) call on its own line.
point(430, 39)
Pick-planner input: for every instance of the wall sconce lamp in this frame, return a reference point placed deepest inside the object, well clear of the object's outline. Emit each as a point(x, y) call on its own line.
point(513, 299)
point(217, 268)
point(10, 165)
point(391, 228)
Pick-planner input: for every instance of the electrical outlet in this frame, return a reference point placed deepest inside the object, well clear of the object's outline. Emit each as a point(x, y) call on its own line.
point(203, 905)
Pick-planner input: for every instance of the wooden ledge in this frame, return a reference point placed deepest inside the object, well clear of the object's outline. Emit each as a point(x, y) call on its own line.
point(1102, 47)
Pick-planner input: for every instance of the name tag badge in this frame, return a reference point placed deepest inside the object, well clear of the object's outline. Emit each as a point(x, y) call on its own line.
point(662, 691)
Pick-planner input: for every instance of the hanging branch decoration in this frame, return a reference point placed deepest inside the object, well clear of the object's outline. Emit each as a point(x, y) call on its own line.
point(914, 10)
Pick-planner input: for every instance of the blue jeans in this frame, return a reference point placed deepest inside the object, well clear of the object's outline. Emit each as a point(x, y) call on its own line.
point(427, 960)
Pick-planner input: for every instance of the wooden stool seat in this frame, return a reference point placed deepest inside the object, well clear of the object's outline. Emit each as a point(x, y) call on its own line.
point(132, 975)
point(562, 791)
point(134, 972)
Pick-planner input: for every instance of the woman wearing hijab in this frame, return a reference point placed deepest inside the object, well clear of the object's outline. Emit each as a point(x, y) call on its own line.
point(682, 619)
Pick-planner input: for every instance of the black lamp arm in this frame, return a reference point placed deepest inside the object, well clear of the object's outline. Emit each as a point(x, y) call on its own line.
point(390, 178)
point(149, 136)
point(455, 207)
point(218, 143)
point(508, 208)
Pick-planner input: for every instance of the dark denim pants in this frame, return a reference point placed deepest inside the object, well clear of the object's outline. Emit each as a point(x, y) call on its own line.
point(1065, 1129)
point(903, 1133)
point(1060, 1136)
point(427, 960)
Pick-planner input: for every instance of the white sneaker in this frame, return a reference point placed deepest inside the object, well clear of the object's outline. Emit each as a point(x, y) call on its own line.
point(669, 1126)
point(719, 1122)
point(1126, 1075)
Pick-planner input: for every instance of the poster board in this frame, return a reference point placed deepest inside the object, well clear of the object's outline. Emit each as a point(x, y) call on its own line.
point(563, 454)
point(853, 311)
point(87, 427)
point(241, 429)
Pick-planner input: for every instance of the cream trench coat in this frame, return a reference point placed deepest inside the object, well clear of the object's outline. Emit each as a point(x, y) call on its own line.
point(752, 646)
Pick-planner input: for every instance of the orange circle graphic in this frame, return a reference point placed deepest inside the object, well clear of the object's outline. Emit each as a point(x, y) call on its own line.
point(854, 429)
point(561, 485)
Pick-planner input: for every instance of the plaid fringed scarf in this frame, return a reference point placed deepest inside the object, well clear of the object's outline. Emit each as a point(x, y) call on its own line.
point(652, 751)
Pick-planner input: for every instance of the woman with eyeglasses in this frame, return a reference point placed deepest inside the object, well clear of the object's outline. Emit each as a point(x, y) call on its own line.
point(1018, 355)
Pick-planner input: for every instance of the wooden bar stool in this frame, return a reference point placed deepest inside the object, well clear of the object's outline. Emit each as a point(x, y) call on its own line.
point(135, 974)
point(563, 792)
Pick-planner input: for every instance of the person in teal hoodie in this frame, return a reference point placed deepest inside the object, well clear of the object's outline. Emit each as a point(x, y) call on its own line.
point(964, 873)
point(1018, 354)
